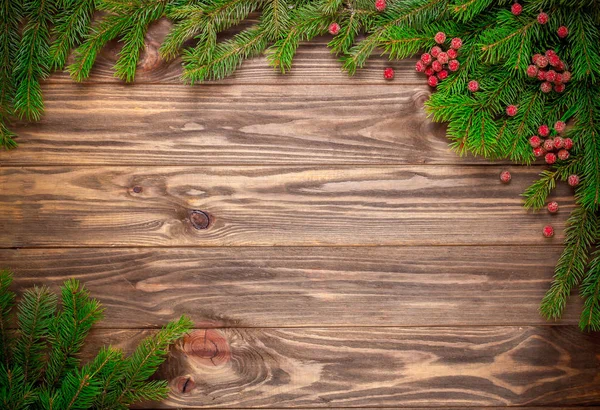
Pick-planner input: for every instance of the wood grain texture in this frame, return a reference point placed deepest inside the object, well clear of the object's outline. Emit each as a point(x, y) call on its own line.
point(295, 287)
point(232, 125)
point(378, 367)
point(269, 206)
point(313, 64)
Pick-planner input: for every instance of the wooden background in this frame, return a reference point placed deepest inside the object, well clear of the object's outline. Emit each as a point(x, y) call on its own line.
point(330, 248)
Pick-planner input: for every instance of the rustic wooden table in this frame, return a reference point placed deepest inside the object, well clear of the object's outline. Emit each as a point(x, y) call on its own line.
point(330, 248)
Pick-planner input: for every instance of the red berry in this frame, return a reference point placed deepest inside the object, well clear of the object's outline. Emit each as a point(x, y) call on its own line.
point(560, 66)
point(452, 53)
point(388, 73)
point(558, 79)
point(544, 130)
point(541, 61)
point(334, 28)
point(568, 143)
point(380, 5)
point(559, 88)
point(505, 177)
point(535, 58)
point(535, 141)
point(550, 158)
point(440, 37)
point(558, 142)
point(516, 9)
point(420, 66)
point(562, 32)
point(549, 144)
point(546, 87)
point(453, 65)
point(573, 180)
point(435, 51)
point(432, 81)
point(456, 43)
point(553, 207)
point(473, 86)
point(532, 71)
point(437, 66)
point(566, 76)
point(429, 72)
point(554, 61)
point(511, 110)
point(548, 231)
point(442, 75)
point(539, 152)
point(549, 53)
point(541, 75)
point(442, 58)
point(542, 18)
point(426, 58)
point(551, 75)
point(563, 154)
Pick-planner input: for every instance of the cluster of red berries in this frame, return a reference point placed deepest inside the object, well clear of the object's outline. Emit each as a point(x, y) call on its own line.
point(552, 147)
point(550, 70)
point(436, 64)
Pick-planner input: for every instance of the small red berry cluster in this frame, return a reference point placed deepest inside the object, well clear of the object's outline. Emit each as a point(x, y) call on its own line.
point(436, 63)
point(552, 147)
point(550, 70)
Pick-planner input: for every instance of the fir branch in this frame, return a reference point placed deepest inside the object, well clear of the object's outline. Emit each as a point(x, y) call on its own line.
point(69, 329)
point(34, 317)
point(570, 269)
point(145, 360)
point(32, 59)
point(71, 26)
point(537, 193)
point(10, 17)
point(590, 292)
point(7, 299)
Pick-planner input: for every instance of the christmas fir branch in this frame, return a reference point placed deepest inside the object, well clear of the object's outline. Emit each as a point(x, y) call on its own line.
point(40, 367)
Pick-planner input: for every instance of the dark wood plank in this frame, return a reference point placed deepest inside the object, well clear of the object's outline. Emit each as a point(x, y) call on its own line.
point(269, 206)
point(375, 367)
point(293, 287)
point(313, 64)
point(236, 124)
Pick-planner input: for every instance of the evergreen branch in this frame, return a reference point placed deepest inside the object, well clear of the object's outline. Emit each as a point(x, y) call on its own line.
point(69, 330)
point(590, 292)
point(72, 24)
point(146, 358)
point(32, 59)
point(228, 56)
point(133, 36)
point(34, 318)
point(10, 17)
point(7, 299)
point(580, 234)
point(85, 55)
point(537, 193)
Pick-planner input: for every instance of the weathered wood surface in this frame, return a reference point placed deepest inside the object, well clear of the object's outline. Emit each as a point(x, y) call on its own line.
point(349, 258)
point(295, 287)
point(233, 125)
point(373, 367)
point(269, 206)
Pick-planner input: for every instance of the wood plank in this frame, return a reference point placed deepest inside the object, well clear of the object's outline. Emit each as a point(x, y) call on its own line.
point(236, 124)
point(378, 367)
point(313, 64)
point(269, 206)
point(295, 287)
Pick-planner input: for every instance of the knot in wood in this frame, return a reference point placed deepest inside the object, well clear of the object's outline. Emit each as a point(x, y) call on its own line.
point(199, 219)
point(207, 347)
point(184, 384)
point(137, 189)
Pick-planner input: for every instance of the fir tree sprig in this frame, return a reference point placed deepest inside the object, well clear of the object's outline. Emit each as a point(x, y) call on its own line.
point(50, 339)
point(32, 61)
